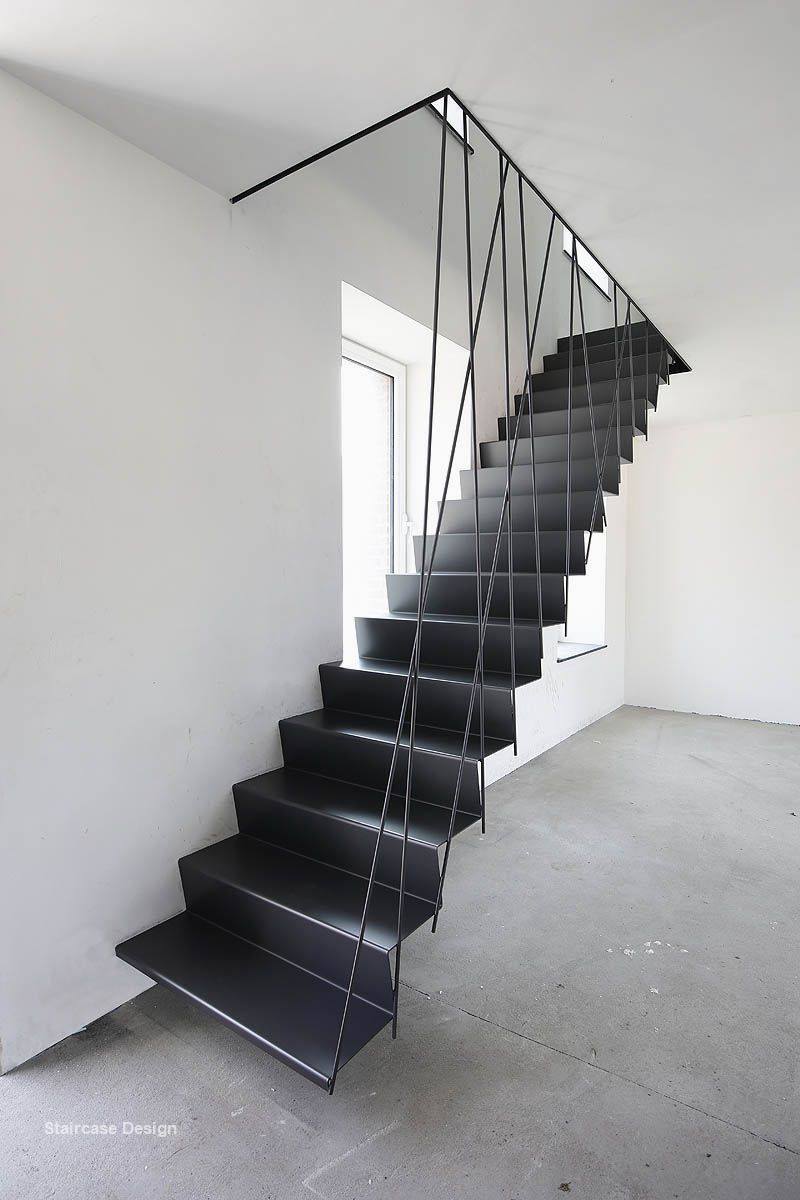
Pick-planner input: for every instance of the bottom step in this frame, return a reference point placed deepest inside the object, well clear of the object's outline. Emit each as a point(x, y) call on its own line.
point(293, 1015)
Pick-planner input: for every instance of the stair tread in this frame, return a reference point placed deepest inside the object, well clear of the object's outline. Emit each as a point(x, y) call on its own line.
point(471, 574)
point(426, 737)
point(323, 893)
point(294, 1015)
point(391, 666)
point(428, 823)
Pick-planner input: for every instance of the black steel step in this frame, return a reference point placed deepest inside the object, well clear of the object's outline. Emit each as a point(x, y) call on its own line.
point(605, 352)
point(653, 365)
point(551, 478)
point(300, 909)
point(455, 593)
point(453, 642)
point(551, 399)
point(337, 822)
point(456, 552)
point(459, 515)
point(556, 448)
point(600, 337)
point(377, 688)
point(558, 421)
point(292, 1014)
point(358, 749)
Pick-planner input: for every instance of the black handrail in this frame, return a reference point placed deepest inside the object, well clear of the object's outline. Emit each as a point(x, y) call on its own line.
point(406, 112)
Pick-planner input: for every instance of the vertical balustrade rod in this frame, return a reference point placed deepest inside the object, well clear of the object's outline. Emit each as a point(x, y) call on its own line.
point(646, 377)
point(528, 392)
point(473, 397)
point(420, 605)
point(413, 669)
point(506, 500)
point(573, 265)
point(616, 365)
point(586, 368)
point(507, 365)
point(614, 410)
point(632, 387)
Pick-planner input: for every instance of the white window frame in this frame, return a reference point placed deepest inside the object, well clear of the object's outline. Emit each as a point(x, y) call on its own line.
point(397, 370)
point(589, 265)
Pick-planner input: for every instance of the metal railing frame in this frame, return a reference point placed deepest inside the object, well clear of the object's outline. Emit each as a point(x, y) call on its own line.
point(505, 520)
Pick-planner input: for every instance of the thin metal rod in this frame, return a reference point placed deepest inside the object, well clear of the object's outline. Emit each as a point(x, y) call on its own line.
point(404, 704)
point(573, 265)
point(528, 392)
point(348, 141)
point(608, 434)
point(616, 358)
point(490, 589)
point(587, 370)
point(507, 362)
point(473, 398)
point(632, 389)
point(646, 377)
point(413, 666)
point(426, 507)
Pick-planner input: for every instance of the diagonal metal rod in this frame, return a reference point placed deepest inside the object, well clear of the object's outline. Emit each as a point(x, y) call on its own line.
point(507, 372)
point(589, 389)
point(572, 268)
point(473, 399)
point(414, 665)
point(418, 637)
point(482, 631)
point(614, 410)
point(528, 393)
point(404, 704)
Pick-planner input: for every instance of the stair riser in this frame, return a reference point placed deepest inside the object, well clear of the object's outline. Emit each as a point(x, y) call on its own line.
point(450, 645)
point(456, 595)
point(456, 552)
point(603, 337)
point(605, 353)
point(551, 478)
point(557, 448)
point(367, 761)
point(556, 399)
point(459, 515)
point(548, 424)
point(653, 364)
point(441, 703)
point(348, 845)
point(315, 947)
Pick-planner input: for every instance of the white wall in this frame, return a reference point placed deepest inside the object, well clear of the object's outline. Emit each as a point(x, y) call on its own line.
point(714, 569)
point(170, 514)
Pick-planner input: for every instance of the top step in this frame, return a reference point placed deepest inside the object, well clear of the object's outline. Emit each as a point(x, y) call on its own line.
point(601, 337)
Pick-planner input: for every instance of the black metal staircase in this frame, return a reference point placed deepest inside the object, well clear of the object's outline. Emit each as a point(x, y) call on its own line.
point(291, 925)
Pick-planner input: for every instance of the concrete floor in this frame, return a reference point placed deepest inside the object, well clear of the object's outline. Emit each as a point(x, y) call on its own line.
point(609, 1010)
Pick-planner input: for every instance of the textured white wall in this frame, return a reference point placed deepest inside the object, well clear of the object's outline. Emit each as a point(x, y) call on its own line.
point(714, 569)
point(170, 511)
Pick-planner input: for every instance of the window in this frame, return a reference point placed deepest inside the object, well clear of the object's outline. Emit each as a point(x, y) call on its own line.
point(455, 117)
point(373, 478)
point(590, 266)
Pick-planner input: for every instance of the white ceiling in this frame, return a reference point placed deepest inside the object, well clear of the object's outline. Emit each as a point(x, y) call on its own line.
point(666, 133)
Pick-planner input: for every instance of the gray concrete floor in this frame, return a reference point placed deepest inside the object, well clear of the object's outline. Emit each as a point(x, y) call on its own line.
point(609, 1010)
